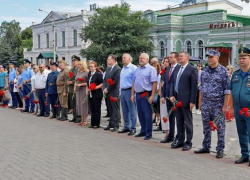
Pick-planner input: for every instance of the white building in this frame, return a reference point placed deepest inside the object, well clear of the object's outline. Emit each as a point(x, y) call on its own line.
point(67, 29)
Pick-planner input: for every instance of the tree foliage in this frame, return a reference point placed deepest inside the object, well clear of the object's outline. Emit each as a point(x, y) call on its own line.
point(247, 1)
point(116, 30)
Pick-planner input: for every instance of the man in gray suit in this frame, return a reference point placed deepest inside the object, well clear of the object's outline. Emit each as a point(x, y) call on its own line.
point(112, 92)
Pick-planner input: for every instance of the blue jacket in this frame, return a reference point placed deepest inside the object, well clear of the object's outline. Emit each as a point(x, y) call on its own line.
point(51, 87)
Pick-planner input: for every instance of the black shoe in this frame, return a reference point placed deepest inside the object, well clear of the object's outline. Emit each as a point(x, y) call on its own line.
point(64, 119)
point(164, 132)
point(131, 133)
point(124, 131)
point(105, 116)
point(115, 129)
point(241, 160)
point(187, 147)
point(157, 129)
point(52, 117)
point(140, 135)
point(46, 115)
point(13, 107)
point(31, 112)
point(96, 127)
point(40, 115)
point(219, 154)
point(107, 128)
point(167, 140)
point(174, 142)
point(202, 151)
point(72, 120)
point(147, 137)
point(22, 111)
point(177, 146)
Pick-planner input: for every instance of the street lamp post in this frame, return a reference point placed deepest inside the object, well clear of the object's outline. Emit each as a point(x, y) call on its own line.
point(54, 38)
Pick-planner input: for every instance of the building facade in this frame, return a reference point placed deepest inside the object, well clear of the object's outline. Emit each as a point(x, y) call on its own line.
point(196, 26)
point(68, 26)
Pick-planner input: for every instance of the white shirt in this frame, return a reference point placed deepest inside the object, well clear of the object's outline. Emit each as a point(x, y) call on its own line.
point(183, 68)
point(33, 78)
point(40, 79)
point(15, 85)
point(173, 67)
point(91, 75)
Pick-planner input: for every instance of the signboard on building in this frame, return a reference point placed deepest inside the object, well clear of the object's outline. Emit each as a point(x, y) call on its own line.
point(223, 25)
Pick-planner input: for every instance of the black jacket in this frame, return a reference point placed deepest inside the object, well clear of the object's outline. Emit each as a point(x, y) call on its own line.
point(97, 78)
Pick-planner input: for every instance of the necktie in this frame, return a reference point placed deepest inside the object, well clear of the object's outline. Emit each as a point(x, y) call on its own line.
point(178, 79)
point(170, 72)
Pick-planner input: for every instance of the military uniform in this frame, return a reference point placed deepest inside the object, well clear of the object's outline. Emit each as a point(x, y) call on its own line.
point(51, 89)
point(214, 86)
point(62, 87)
point(240, 88)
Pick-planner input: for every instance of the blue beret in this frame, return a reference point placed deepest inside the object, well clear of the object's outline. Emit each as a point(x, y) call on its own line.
point(243, 51)
point(212, 52)
point(54, 64)
point(26, 60)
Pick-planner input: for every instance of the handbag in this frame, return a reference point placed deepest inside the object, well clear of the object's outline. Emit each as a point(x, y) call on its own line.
point(6, 96)
point(155, 99)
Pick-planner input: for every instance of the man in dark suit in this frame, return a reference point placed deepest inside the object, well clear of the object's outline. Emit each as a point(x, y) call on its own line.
point(113, 73)
point(169, 76)
point(184, 88)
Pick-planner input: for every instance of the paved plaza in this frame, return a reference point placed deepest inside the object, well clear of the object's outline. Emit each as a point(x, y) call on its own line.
point(39, 148)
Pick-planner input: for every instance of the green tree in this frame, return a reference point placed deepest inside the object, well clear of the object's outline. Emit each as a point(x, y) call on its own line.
point(26, 42)
point(247, 1)
point(116, 30)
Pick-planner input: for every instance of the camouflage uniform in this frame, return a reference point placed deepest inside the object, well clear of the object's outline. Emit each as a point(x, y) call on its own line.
point(214, 86)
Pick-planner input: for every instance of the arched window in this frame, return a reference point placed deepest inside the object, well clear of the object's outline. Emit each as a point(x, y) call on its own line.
point(200, 43)
point(189, 48)
point(162, 49)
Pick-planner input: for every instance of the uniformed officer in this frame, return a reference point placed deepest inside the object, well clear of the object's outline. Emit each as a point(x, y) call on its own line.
point(26, 75)
point(62, 89)
point(51, 91)
point(213, 101)
point(240, 93)
point(72, 96)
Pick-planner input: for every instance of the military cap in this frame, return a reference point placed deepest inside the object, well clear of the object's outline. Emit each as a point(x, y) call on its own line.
point(26, 61)
point(75, 58)
point(212, 52)
point(243, 51)
point(12, 62)
point(54, 64)
point(63, 61)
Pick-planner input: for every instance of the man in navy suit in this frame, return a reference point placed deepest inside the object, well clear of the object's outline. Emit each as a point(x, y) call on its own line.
point(169, 76)
point(184, 88)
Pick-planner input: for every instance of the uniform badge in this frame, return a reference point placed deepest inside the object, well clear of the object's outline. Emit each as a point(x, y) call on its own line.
point(248, 84)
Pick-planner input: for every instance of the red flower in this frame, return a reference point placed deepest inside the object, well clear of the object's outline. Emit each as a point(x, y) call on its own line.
point(179, 104)
point(247, 114)
point(80, 79)
point(46, 104)
point(162, 71)
point(165, 120)
point(71, 74)
point(1, 93)
point(175, 108)
point(112, 99)
point(144, 94)
point(56, 106)
point(35, 102)
point(245, 109)
point(110, 82)
point(92, 86)
point(241, 112)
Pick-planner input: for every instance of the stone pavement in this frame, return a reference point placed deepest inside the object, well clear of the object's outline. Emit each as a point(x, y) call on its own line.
point(39, 148)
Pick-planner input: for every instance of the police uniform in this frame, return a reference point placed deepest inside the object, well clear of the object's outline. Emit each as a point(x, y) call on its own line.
point(62, 87)
point(240, 88)
point(51, 89)
point(214, 86)
point(26, 76)
point(72, 96)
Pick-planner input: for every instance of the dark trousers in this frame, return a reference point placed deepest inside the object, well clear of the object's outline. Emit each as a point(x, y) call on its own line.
point(28, 101)
point(95, 108)
point(42, 99)
point(115, 115)
point(184, 124)
point(72, 99)
point(171, 120)
point(144, 114)
point(20, 102)
point(106, 102)
point(53, 100)
point(13, 95)
point(197, 100)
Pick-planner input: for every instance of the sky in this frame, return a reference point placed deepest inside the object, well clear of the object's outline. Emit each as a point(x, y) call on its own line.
point(26, 11)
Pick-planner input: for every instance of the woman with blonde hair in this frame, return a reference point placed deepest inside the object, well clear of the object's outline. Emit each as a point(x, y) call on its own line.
point(81, 91)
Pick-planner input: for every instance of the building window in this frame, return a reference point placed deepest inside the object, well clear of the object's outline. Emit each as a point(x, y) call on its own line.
point(63, 38)
point(200, 43)
point(39, 41)
point(162, 49)
point(75, 37)
point(189, 48)
point(56, 39)
point(47, 38)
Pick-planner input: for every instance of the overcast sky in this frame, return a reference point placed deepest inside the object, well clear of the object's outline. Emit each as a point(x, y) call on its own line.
point(26, 11)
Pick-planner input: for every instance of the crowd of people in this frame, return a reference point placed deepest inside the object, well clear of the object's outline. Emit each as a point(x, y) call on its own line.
point(164, 94)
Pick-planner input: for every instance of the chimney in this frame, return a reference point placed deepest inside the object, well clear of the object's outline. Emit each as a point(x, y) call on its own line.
point(68, 15)
point(33, 23)
point(84, 12)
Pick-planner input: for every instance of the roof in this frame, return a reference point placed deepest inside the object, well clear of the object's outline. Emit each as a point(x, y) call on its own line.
point(72, 14)
point(224, 45)
point(46, 55)
point(190, 14)
point(239, 18)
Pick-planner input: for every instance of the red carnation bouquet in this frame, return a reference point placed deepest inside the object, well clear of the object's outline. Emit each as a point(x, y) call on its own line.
point(163, 71)
point(112, 99)
point(214, 123)
point(46, 102)
point(71, 74)
point(145, 95)
point(177, 104)
point(245, 111)
point(36, 102)
point(56, 105)
point(92, 86)
point(1, 93)
point(110, 82)
point(80, 79)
